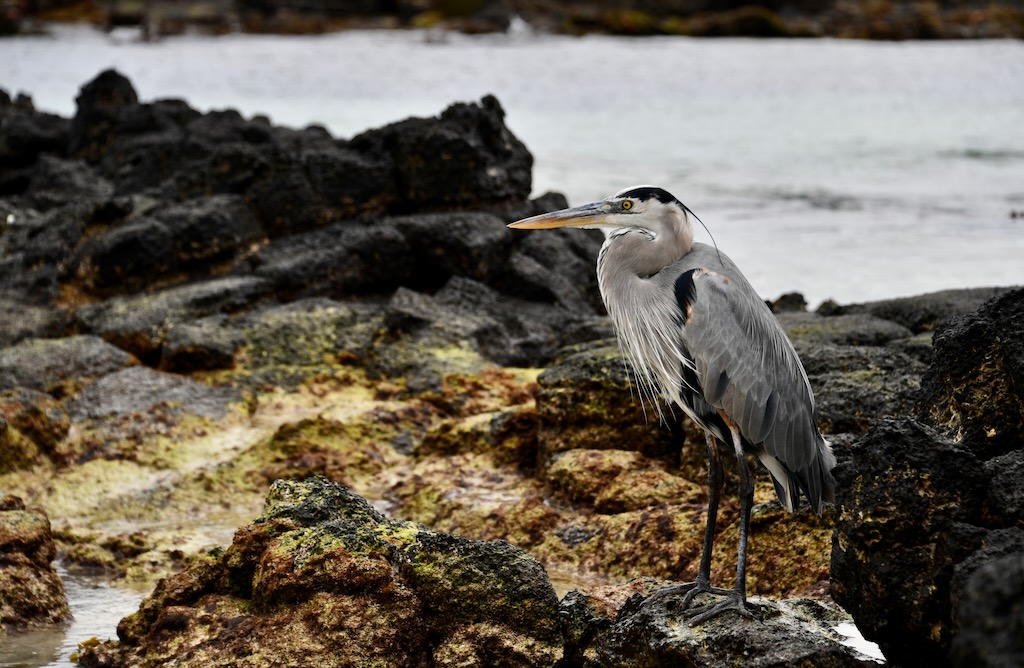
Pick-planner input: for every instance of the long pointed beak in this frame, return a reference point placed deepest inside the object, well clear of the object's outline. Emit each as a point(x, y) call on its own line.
point(587, 215)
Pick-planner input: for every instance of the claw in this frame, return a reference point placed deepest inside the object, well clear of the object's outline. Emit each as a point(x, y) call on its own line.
point(696, 615)
point(733, 601)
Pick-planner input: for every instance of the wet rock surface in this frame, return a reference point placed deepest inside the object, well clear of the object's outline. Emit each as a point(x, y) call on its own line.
point(31, 593)
point(313, 306)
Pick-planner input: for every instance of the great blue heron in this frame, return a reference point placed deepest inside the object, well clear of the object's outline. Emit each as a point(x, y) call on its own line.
point(696, 333)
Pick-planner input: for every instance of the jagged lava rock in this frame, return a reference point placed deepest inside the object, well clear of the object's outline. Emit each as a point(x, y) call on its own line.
point(321, 578)
point(909, 502)
point(923, 312)
point(31, 592)
point(783, 633)
point(139, 323)
point(138, 388)
point(467, 157)
point(975, 389)
point(47, 364)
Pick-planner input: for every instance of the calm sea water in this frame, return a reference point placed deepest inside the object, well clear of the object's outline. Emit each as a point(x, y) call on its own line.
point(841, 169)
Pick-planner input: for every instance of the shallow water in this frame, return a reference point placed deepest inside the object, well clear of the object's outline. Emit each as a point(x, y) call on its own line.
point(843, 169)
point(96, 608)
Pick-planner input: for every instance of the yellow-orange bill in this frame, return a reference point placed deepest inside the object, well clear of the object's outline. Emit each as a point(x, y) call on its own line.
point(580, 216)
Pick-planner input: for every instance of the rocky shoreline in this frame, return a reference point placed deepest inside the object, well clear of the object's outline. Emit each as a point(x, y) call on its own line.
point(210, 319)
point(879, 20)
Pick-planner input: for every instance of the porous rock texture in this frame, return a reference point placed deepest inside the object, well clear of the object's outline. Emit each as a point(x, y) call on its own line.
point(930, 532)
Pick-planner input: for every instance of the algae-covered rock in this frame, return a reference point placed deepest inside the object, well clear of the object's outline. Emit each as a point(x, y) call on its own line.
point(321, 578)
point(587, 400)
point(36, 416)
point(613, 481)
point(31, 592)
point(287, 343)
point(421, 342)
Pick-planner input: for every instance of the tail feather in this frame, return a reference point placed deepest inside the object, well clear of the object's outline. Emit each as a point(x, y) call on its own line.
point(815, 481)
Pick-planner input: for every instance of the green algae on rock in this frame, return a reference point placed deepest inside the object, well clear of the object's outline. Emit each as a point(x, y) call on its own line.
point(322, 577)
point(31, 593)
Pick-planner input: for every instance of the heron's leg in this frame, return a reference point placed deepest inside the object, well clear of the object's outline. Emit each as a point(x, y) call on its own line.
point(735, 599)
point(703, 582)
point(715, 476)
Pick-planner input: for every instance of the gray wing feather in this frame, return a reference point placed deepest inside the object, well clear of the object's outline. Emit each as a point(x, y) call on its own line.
point(747, 365)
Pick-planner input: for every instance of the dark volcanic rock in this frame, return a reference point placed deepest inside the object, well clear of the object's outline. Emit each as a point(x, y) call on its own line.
point(139, 388)
point(1006, 487)
point(924, 312)
point(909, 505)
point(466, 157)
point(975, 389)
point(139, 323)
point(850, 330)
point(24, 134)
point(31, 592)
point(855, 385)
point(55, 181)
point(32, 322)
point(923, 516)
point(99, 105)
point(991, 615)
point(205, 345)
point(783, 634)
point(46, 364)
point(180, 237)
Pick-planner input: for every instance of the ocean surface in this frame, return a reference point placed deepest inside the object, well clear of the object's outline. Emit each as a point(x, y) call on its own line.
point(840, 169)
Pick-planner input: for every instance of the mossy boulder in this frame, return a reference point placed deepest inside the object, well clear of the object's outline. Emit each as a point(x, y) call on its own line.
point(31, 592)
point(588, 400)
point(321, 577)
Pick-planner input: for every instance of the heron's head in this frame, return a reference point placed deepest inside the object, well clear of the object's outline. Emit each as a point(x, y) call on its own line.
point(641, 207)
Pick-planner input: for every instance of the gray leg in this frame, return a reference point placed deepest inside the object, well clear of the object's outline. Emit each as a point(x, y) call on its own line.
point(702, 585)
point(735, 599)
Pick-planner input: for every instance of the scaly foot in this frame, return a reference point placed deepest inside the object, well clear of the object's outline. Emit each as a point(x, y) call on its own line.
point(733, 600)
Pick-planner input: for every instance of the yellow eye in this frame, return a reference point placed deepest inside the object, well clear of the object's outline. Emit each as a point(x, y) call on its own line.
point(627, 204)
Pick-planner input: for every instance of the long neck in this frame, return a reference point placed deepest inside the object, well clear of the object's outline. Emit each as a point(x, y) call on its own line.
point(644, 318)
point(630, 255)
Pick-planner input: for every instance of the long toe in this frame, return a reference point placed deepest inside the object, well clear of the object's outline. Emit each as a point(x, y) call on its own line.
point(704, 588)
point(660, 596)
point(732, 601)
